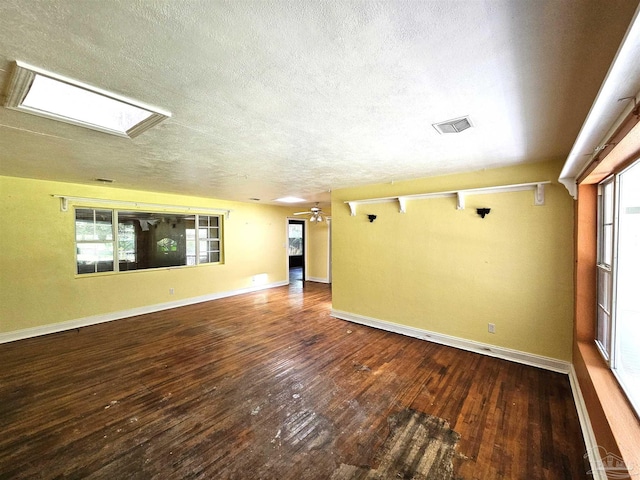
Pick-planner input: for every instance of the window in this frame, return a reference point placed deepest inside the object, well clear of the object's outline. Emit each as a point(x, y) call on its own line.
point(618, 321)
point(208, 239)
point(144, 240)
point(627, 314)
point(295, 239)
point(94, 240)
point(605, 257)
point(36, 91)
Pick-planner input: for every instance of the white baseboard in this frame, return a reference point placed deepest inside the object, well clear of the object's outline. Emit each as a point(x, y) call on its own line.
point(109, 317)
point(470, 345)
point(597, 470)
point(590, 442)
point(318, 279)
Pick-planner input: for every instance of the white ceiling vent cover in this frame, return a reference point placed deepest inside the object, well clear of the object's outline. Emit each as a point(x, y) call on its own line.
point(456, 125)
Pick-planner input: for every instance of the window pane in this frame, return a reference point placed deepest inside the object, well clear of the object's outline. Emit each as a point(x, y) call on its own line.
point(208, 239)
point(208, 221)
point(604, 289)
point(628, 286)
point(607, 244)
point(607, 198)
point(94, 257)
point(94, 240)
point(603, 336)
point(126, 242)
point(209, 257)
point(153, 240)
point(94, 224)
point(191, 246)
point(605, 223)
point(295, 230)
point(605, 259)
point(295, 239)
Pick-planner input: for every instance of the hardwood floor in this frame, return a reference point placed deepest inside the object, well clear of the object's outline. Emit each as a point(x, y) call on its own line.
point(267, 386)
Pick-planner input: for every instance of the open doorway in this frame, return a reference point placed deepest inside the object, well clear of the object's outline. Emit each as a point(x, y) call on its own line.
point(297, 253)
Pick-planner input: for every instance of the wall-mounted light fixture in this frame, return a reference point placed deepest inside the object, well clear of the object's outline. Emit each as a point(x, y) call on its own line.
point(483, 211)
point(372, 218)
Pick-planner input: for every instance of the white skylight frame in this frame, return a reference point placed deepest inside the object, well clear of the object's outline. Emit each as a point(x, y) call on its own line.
point(25, 77)
point(290, 200)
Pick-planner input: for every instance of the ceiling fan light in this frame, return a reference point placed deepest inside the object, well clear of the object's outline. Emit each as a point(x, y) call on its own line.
point(319, 218)
point(312, 219)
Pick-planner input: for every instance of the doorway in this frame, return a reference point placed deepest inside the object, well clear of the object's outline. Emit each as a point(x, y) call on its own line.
point(297, 252)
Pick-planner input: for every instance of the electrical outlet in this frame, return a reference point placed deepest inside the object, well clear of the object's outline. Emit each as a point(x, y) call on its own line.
point(492, 328)
point(171, 291)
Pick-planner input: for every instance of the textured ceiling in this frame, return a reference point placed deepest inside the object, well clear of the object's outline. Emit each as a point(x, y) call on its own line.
point(274, 98)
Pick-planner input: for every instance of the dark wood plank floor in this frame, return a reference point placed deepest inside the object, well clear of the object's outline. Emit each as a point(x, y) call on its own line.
point(266, 386)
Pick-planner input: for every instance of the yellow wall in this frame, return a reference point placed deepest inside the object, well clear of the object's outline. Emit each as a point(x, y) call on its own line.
point(449, 271)
point(38, 284)
point(318, 245)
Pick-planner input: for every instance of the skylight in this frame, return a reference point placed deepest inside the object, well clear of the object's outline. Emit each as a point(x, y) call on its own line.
point(290, 200)
point(35, 91)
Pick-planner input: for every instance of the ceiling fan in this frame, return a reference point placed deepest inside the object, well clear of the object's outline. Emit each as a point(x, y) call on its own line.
point(315, 212)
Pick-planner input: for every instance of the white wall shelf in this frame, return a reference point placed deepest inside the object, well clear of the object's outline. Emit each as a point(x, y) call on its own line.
point(537, 187)
point(66, 199)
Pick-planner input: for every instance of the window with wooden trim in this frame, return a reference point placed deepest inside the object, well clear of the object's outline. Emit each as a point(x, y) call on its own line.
point(121, 240)
point(94, 240)
point(605, 259)
point(618, 278)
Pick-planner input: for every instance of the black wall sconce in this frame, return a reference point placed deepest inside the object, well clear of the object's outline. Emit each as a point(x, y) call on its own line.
point(372, 218)
point(483, 211)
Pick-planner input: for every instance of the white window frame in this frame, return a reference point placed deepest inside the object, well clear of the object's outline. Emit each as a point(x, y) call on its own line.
point(209, 228)
point(114, 240)
point(611, 357)
point(607, 351)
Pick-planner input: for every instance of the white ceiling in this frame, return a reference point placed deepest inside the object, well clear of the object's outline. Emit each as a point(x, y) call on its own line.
point(274, 98)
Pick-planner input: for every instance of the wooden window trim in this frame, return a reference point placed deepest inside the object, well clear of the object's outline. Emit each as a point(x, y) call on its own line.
point(619, 151)
point(613, 420)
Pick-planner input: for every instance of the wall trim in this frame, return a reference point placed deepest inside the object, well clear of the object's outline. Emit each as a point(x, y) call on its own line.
point(132, 312)
point(597, 470)
point(589, 436)
point(318, 279)
point(525, 358)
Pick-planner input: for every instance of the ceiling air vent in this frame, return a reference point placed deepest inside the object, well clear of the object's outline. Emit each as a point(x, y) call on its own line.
point(456, 125)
